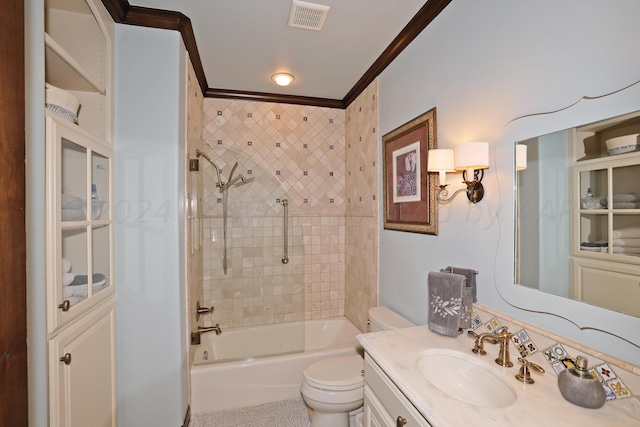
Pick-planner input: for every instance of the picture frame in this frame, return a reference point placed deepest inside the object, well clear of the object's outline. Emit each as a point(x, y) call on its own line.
point(409, 191)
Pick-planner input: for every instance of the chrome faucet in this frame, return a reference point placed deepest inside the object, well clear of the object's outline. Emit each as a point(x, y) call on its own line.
point(503, 338)
point(195, 336)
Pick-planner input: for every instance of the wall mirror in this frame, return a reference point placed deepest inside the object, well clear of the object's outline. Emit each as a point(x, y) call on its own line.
point(577, 205)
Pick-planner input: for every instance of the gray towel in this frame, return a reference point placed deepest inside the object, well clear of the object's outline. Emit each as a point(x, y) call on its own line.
point(469, 295)
point(445, 302)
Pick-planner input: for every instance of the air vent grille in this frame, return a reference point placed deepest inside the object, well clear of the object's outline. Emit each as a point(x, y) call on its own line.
point(308, 16)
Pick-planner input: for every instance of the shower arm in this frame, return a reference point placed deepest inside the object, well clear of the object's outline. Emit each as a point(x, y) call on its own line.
point(200, 153)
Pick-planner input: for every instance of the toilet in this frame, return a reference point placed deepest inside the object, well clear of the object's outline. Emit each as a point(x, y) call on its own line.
point(334, 387)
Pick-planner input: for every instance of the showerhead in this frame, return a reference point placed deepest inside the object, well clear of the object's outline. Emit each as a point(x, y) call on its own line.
point(243, 181)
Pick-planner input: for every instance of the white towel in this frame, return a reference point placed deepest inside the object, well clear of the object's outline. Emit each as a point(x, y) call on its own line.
point(67, 279)
point(626, 250)
point(626, 197)
point(67, 291)
point(82, 291)
point(632, 242)
point(625, 233)
point(72, 202)
point(66, 265)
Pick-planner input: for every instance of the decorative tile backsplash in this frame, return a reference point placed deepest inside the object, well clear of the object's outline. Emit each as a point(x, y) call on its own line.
point(558, 357)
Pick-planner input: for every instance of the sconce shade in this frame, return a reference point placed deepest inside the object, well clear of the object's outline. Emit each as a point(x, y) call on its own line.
point(441, 160)
point(472, 155)
point(521, 157)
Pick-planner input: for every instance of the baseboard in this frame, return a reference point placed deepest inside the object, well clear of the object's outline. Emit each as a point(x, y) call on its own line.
point(187, 417)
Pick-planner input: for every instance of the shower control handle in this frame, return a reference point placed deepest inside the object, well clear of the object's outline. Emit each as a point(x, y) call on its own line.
point(202, 310)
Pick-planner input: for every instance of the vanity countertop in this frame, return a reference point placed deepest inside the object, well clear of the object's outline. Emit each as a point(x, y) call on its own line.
point(541, 403)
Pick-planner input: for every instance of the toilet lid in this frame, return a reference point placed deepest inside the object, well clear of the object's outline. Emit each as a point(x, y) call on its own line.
point(336, 373)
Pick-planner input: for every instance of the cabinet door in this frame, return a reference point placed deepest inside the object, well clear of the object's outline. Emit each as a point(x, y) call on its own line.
point(607, 284)
point(79, 222)
point(82, 372)
point(387, 406)
point(374, 413)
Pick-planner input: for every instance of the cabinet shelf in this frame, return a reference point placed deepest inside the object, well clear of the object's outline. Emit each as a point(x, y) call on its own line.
point(65, 72)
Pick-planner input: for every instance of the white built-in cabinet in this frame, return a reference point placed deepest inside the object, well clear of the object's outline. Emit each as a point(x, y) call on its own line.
point(384, 403)
point(605, 244)
point(80, 284)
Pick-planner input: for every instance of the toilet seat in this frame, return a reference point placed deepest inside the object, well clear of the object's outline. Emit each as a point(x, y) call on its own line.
point(336, 373)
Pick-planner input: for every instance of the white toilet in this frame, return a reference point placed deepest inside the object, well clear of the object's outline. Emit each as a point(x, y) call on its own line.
point(334, 387)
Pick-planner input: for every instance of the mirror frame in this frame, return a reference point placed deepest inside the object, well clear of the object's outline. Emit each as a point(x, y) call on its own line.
point(611, 332)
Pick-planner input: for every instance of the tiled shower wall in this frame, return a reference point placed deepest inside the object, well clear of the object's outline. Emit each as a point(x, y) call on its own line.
point(361, 185)
point(293, 152)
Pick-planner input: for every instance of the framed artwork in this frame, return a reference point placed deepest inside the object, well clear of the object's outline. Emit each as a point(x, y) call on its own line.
point(409, 191)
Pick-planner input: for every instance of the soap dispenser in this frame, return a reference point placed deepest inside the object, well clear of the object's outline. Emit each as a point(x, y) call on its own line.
point(581, 388)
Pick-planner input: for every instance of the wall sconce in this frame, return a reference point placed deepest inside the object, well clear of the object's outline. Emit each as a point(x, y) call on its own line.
point(521, 157)
point(472, 158)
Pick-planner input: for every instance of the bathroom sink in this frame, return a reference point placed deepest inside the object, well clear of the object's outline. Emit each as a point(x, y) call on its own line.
point(465, 378)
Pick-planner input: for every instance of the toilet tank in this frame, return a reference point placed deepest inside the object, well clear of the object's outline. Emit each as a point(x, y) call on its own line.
point(383, 319)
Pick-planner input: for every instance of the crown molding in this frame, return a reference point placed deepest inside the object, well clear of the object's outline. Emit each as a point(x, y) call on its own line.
point(123, 13)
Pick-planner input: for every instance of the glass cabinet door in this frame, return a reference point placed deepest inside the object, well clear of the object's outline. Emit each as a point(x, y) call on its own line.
point(79, 228)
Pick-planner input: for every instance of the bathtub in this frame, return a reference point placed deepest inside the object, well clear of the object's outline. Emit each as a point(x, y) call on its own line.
point(219, 383)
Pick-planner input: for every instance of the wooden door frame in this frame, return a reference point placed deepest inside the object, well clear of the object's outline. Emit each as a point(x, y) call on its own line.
point(13, 281)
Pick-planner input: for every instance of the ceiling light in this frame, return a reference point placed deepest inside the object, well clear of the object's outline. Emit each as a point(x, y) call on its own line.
point(283, 79)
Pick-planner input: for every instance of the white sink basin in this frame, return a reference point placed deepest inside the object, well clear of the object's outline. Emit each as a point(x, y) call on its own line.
point(464, 377)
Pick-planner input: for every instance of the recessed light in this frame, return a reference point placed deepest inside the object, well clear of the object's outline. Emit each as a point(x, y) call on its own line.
point(283, 79)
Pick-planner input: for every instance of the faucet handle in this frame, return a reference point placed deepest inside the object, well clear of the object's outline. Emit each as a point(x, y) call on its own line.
point(202, 310)
point(524, 375)
point(478, 347)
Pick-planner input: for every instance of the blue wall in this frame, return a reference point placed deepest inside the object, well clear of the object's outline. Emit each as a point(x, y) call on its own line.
point(482, 64)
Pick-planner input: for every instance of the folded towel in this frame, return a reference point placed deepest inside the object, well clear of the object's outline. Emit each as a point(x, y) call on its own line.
point(73, 215)
point(469, 294)
point(67, 279)
point(67, 292)
point(66, 265)
point(469, 274)
point(626, 197)
point(625, 233)
point(445, 302)
point(626, 205)
point(633, 242)
point(83, 279)
point(626, 250)
point(72, 202)
point(81, 291)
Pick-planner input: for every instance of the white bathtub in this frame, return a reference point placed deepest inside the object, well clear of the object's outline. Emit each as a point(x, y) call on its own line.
point(232, 384)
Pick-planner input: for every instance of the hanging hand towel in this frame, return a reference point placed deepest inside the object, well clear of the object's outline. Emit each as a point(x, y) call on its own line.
point(445, 302)
point(469, 295)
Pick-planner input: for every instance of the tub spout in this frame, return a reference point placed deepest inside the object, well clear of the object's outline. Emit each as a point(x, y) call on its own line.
point(195, 336)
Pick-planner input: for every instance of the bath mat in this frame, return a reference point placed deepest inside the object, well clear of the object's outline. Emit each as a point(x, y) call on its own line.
point(284, 413)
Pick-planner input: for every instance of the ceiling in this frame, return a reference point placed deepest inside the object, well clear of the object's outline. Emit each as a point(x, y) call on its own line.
point(242, 43)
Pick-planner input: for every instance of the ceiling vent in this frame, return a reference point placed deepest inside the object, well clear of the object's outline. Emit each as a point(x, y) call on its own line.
point(308, 16)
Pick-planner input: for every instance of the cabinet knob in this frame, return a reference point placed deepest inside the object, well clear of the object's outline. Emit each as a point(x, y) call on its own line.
point(66, 359)
point(65, 305)
point(400, 421)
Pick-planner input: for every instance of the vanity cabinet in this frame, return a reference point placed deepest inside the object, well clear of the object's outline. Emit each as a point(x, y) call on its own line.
point(605, 234)
point(80, 293)
point(384, 403)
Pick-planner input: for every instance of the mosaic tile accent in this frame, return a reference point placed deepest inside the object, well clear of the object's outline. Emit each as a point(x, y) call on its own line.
point(476, 322)
point(523, 343)
point(494, 326)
